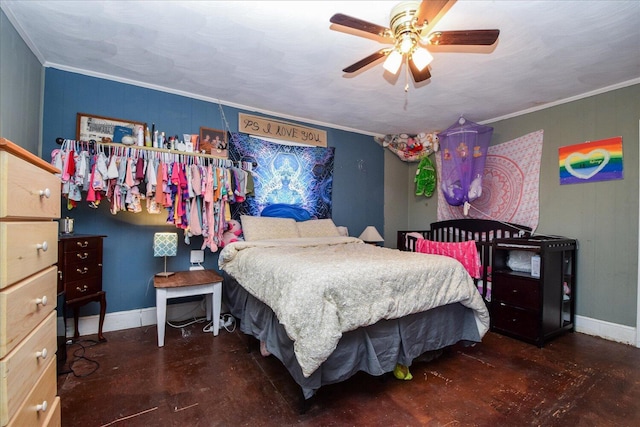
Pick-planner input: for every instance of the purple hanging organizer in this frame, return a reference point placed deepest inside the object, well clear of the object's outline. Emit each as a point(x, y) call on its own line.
point(463, 150)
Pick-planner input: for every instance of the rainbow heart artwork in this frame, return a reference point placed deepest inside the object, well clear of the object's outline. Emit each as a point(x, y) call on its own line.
point(591, 161)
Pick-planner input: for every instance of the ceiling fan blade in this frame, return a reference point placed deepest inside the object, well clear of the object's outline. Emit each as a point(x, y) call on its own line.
point(468, 37)
point(359, 24)
point(366, 61)
point(430, 11)
point(418, 75)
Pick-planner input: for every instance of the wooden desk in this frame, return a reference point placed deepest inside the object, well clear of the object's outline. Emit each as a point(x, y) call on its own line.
point(185, 284)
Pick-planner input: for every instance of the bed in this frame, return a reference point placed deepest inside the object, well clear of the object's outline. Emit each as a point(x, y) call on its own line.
point(328, 306)
point(481, 231)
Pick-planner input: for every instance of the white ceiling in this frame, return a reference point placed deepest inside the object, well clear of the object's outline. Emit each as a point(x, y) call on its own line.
point(283, 58)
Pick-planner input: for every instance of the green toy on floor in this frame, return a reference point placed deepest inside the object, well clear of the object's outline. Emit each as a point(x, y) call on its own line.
point(401, 372)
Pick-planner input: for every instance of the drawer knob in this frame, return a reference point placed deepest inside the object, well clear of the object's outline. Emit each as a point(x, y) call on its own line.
point(83, 255)
point(42, 353)
point(42, 300)
point(83, 244)
point(44, 246)
point(45, 193)
point(42, 406)
point(85, 270)
point(83, 289)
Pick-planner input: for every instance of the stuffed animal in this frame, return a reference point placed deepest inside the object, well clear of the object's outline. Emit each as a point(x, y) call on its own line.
point(233, 233)
point(425, 178)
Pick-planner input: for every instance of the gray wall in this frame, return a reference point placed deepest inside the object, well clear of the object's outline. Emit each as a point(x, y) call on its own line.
point(20, 89)
point(396, 197)
point(603, 216)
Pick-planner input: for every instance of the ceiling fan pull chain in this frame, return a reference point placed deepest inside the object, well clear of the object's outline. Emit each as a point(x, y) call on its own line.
point(406, 74)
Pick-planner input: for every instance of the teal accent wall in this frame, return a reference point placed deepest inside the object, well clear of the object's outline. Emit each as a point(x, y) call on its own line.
point(129, 265)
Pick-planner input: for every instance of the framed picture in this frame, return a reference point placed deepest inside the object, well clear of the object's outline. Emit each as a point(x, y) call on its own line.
point(214, 142)
point(105, 129)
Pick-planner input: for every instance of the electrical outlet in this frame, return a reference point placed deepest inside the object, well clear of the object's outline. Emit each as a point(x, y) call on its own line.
point(226, 322)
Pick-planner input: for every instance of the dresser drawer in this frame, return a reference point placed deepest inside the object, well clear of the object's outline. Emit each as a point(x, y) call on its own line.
point(80, 244)
point(24, 305)
point(21, 185)
point(23, 366)
point(518, 291)
point(39, 405)
point(83, 255)
point(82, 288)
point(515, 320)
point(54, 419)
point(86, 269)
point(25, 248)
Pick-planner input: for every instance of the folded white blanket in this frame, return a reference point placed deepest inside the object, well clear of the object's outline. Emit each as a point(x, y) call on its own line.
point(322, 287)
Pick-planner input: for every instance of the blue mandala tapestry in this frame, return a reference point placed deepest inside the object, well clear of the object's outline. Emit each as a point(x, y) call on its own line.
point(284, 174)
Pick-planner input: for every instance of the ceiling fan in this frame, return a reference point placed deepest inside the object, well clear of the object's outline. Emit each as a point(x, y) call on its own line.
point(410, 32)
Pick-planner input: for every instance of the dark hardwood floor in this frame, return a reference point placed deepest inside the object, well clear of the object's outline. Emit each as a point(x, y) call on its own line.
point(198, 380)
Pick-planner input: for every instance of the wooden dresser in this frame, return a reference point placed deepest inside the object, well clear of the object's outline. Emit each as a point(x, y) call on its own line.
point(29, 204)
point(80, 274)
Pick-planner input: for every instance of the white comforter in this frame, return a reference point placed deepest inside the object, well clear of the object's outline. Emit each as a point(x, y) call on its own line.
point(320, 288)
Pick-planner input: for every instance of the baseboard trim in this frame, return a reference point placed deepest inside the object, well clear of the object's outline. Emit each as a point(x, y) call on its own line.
point(88, 325)
point(607, 330)
point(182, 311)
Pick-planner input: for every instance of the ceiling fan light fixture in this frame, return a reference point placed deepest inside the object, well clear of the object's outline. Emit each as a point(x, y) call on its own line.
point(421, 58)
point(406, 43)
point(393, 62)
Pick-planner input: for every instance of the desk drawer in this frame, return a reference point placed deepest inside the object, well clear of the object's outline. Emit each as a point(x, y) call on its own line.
point(21, 368)
point(41, 401)
point(24, 305)
point(22, 249)
point(20, 185)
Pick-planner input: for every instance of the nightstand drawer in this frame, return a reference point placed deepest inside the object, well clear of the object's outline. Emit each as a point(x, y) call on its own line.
point(514, 290)
point(515, 320)
point(27, 191)
point(24, 365)
point(25, 248)
point(24, 305)
point(41, 401)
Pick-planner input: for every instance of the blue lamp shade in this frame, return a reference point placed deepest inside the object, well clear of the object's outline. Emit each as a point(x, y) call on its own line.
point(164, 245)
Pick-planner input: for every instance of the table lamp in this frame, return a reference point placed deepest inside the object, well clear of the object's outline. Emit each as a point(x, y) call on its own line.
point(164, 245)
point(371, 235)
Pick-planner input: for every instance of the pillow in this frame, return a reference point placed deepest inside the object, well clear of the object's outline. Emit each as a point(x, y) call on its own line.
point(465, 252)
point(282, 210)
point(318, 228)
point(342, 230)
point(264, 228)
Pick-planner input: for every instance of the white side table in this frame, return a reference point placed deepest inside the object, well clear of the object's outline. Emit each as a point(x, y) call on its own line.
point(185, 284)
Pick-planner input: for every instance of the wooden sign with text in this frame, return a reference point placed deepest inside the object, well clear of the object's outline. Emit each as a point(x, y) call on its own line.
point(269, 128)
